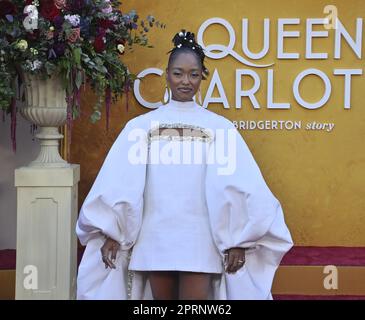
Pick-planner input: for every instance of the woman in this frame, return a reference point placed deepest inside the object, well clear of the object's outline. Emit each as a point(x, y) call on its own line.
point(206, 227)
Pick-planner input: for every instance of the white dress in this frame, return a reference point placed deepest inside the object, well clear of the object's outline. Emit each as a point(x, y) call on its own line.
point(180, 216)
point(175, 232)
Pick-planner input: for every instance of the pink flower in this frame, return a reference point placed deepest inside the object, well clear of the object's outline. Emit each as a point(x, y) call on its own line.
point(60, 4)
point(74, 35)
point(107, 7)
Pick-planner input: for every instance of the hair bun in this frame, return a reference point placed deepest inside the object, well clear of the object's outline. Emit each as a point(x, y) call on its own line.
point(184, 38)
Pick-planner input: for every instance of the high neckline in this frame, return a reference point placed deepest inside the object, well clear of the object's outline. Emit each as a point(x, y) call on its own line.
point(182, 105)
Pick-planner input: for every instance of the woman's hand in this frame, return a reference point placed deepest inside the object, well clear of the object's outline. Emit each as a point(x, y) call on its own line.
point(109, 252)
point(234, 259)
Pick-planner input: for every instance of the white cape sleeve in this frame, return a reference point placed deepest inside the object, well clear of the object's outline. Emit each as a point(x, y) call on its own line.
point(113, 207)
point(244, 213)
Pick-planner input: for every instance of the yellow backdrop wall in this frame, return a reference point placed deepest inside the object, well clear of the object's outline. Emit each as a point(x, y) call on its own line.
point(317, 175)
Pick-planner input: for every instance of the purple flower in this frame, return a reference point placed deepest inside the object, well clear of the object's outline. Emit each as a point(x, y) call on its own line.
point(59, 49)
point(58, 21)
point(77, 4)
point(84, 27)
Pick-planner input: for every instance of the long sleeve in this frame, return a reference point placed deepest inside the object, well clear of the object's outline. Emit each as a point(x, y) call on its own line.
point(113, 207)
point(114, 204)
point(244, 213)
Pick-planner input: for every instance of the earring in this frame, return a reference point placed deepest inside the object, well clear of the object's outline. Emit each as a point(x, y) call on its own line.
point(200, 97)
point(166, 97)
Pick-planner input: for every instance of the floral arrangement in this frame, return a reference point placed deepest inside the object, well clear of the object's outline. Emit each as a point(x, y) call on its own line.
point(79, 40)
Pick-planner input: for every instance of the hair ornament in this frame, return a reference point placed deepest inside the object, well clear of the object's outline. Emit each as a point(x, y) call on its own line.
point(186, 40)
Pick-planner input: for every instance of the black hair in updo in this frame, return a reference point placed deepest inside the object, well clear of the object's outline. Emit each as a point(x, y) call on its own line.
point(184, 41)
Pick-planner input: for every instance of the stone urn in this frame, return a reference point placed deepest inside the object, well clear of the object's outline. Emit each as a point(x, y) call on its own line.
point(47, 198)
point(46, 106)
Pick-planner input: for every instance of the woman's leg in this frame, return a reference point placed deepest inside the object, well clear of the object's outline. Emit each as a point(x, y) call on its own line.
point(164, 284)
point(194, 285)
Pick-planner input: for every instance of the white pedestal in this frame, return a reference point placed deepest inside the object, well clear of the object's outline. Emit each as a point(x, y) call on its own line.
point(46, 256)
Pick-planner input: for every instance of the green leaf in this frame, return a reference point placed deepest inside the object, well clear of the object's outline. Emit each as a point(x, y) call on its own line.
point(77, 55)
point(50, 68)
point(75, 113)
point(78, 80)
point(102, 69)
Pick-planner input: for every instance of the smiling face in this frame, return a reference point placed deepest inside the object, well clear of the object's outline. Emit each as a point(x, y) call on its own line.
point(184, 75)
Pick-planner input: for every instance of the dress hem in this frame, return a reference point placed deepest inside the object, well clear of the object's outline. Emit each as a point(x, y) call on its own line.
point(175, 269)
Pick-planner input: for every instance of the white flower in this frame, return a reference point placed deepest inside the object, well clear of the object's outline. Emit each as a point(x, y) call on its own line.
point(73, 19)
point(30, 22)
point(33, 51)
point(120, 48)
point(31, 11)
point(22, 45)
point(36, 64)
